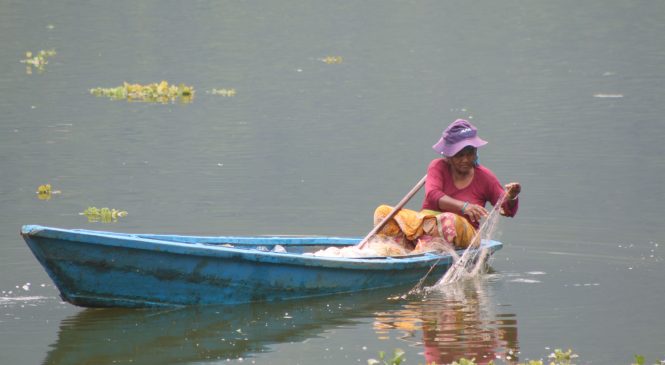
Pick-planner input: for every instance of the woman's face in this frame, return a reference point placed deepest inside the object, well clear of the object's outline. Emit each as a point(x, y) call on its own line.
point(465, 160)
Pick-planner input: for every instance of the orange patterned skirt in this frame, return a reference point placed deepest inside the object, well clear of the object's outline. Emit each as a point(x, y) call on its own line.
point(412, 226)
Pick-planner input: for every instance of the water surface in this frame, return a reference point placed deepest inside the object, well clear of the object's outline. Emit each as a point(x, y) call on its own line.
point(569, 95)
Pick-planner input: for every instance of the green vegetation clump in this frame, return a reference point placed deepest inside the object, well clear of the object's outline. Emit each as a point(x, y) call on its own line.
point(160, 93)
point(37, 61)
point(332, 60)
point(104, 215)
point(640, 360)
point(398, 357)
point(45, 192)
point(558, 357)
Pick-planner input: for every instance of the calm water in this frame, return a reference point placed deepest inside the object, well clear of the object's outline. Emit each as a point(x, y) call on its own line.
point(569, 94)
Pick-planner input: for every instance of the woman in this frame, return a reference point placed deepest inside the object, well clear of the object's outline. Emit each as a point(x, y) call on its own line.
point(456, 191)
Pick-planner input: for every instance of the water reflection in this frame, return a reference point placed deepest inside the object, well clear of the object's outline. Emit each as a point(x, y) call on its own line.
point(105, 336)
point(456, 321)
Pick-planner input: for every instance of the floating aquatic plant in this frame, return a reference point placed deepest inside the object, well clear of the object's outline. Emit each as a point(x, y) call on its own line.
point(464, 361)
point(224, 92)
point(397, 359)
point(332, 60)
point(160, 93)
point(44, 189)
point(45, 192)
point(37, 61)
point(104, 215)
point(558, 357)
point(641, 360)
point(563, 357)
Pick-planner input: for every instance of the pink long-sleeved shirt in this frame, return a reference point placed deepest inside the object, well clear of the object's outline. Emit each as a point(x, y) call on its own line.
point(485, 187)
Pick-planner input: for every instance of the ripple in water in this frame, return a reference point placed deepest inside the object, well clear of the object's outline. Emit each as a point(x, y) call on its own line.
point(12, 301)
point(9, 298)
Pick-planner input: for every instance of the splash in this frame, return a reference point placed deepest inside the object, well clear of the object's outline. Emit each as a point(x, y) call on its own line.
point(21, 300)
point(474, 259)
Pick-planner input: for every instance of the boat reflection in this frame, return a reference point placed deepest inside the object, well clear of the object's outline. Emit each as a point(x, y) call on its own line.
point(204, 333)
point(452, 322)
point(446, 325)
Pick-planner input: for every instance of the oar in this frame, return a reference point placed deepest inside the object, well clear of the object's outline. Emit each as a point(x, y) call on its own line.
point(393, 212)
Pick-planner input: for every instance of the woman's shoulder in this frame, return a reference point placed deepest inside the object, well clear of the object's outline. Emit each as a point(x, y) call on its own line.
point(485, 173)
point(438, 162)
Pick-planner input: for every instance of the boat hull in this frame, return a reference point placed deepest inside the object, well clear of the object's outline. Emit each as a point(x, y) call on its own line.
point(106, 269)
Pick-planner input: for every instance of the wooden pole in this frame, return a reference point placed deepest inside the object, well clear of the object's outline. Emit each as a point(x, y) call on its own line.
point(396, 209)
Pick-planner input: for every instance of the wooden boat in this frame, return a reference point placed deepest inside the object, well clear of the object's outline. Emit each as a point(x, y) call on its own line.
point(108, 269)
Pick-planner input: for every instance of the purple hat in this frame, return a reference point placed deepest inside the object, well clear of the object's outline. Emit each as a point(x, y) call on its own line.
point(458, 135)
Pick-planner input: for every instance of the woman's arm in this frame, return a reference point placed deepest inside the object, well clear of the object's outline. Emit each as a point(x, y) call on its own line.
point(437, 199)
point(510, 205)
point(474, 211)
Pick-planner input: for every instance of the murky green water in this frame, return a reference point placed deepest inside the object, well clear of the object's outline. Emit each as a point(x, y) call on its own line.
point(569, 94)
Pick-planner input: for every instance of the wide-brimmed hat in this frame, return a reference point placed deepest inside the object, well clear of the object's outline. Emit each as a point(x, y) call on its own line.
point(458, 135)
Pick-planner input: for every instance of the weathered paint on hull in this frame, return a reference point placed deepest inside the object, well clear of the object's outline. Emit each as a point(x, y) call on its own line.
point(94, 269)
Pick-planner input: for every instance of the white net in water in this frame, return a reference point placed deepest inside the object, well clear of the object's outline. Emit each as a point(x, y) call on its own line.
point(474, 259)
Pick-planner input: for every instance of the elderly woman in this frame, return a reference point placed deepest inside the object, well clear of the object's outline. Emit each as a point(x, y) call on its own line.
point(456, 191)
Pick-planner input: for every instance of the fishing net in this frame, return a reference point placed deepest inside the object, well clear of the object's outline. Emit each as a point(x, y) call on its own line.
point(474, 259)
point(472, 262)
point(386, 246)
point(377, 246)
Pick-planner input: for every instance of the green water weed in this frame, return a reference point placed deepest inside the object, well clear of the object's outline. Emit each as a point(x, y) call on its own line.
point(38, 61)
point(45, 192)
point(397, 359)
point(103, 215)
point(558, 357)
point(162, 92)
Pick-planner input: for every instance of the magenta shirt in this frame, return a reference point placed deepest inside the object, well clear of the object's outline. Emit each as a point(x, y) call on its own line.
point(484, 187)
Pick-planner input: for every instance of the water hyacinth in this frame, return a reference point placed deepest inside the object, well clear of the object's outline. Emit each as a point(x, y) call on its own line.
point(558, 357)
point(104, 215)
point(397, 359)
point(160, 93)
point(44, 189)
point(331, 60)
point(37, 61)
point(45, 192)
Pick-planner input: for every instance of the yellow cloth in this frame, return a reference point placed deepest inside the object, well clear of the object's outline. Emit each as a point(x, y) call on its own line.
point(414, 225)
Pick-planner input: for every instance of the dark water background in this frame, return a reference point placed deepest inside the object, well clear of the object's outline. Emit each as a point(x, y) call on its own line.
point(569, 94)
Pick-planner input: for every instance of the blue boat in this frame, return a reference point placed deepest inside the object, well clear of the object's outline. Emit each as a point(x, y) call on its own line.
point(108, 269)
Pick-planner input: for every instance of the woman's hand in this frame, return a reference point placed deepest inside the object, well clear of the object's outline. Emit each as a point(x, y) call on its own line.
point(475, 212)
point(512, 190)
